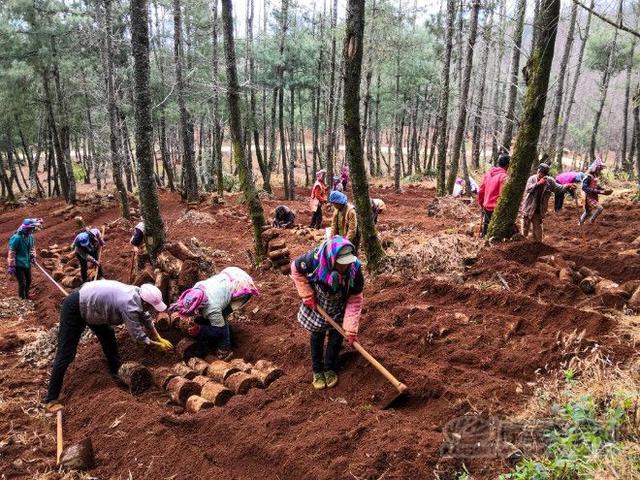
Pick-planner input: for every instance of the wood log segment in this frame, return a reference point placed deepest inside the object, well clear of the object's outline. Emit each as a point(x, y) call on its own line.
point(180, 389)
point(266, 371)
point(162, 375)
point(220, 370)
point(182, 370)
point(242, 382)
point(78, 456)
point(216, 392)
point(277, 244)
point(241, 365)
point(195, 403)
point(188, 348)
point(135, 376)
point(198, 365)
point(274, 254)
point(163, 322)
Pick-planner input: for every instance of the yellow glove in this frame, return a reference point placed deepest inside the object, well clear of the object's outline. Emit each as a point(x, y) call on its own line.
point(166, 343)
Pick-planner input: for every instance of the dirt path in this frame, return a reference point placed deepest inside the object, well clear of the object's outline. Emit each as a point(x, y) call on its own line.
point(464, 346)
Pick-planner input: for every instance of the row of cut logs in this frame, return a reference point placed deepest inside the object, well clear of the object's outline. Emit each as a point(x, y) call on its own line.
point(277, 252)
point(201, 384)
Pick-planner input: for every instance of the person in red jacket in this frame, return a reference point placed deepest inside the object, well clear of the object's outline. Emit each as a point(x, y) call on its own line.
point(491, 189)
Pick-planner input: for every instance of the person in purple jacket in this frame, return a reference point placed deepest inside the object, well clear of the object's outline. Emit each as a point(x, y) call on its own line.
point(567, 178)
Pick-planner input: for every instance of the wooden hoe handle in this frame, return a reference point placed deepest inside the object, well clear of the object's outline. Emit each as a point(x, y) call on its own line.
point(401, 387)
point(46, 274)
point(59, 441)
point(95, 277)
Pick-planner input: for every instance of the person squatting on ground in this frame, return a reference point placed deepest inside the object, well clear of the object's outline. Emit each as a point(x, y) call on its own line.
point(22, 253)
point(345, 220)
point(210, 302)
point(592, 190)
point(329, 276)
point(87, 246)
point(377, 207)
point(536, 201)
point(567, 178)
point(491, 189)
point(459, 186)
point(283, 217)
point(99, 305)
point(318, 199)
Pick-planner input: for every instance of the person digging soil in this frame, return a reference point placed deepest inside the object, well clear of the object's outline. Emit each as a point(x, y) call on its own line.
point(22, 253)
point(210, 302)
point(87, 246)
point(99, 305)
point(329, 276)
point(592, 207)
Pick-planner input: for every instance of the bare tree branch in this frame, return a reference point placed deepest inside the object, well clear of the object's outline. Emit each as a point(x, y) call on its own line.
point(619, 26)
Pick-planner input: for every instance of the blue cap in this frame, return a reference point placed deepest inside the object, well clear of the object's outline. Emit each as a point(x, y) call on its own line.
point(338, 197)
point(83, 239)
point(580, 176)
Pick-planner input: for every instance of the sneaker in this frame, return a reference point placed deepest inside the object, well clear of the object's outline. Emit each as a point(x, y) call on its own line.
point(224, 354)
point(331, 378)
point(53, 406)
point(318, 381)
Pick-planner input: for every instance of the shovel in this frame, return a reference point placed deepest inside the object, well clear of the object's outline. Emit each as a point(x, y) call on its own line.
point(390, 399)
point(78, 456)
point(64, 292)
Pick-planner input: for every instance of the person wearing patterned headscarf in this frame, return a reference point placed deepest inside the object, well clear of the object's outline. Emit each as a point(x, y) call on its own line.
point(22, 253)
point(592, 190)
point(329, 276)
point(210, 302)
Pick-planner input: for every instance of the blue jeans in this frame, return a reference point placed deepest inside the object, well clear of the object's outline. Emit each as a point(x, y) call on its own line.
point(216, 336)
point(322, 360)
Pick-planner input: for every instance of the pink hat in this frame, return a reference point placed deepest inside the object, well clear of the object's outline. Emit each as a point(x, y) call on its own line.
point(153, 296)
point(189, 302)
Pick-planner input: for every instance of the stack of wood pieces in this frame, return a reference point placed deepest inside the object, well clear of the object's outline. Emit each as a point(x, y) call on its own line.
point(609, 293)
point(201, 384)
point(63, 265)
point(277, 251)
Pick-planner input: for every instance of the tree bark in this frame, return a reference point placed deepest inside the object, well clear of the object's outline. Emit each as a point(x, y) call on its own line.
point(352, 55)
point(190, 176)
point(331, 102)
point(525, 148)
point(235, 125)
point(627, 164)
point(149, 204)
point(477, 126)
point(464, 95)
point(444, 99)
point(509, 124)
point(116, 161)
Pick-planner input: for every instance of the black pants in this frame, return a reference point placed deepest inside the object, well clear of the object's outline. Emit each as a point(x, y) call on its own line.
point(23, 276)
point(316, 218)
point(322, 360)
point(84, 266)
point(69, 332)
point(486, 218)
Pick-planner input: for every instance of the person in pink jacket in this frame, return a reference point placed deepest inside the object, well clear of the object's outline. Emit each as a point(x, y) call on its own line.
point(491, 189)
point(329, 276)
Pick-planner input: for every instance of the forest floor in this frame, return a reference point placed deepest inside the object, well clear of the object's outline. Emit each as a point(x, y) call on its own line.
point(469, 328)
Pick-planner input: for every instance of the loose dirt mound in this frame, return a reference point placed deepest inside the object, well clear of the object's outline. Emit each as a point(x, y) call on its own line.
point(444, 253)
point(195, 217)
point(450, 207)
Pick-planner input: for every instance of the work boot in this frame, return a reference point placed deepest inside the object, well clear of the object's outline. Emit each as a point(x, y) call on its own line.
point(318, 381)
point(331, 378)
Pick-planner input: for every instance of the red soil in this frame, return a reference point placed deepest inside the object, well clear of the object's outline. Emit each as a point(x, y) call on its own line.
point(460, 349)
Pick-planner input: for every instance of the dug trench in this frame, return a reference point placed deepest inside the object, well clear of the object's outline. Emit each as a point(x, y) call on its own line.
point(477, 342)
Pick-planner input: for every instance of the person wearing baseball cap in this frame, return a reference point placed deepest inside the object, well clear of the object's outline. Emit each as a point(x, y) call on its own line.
point(100, 305)
point(87, 246)
point(22, 253)
point(329, 276)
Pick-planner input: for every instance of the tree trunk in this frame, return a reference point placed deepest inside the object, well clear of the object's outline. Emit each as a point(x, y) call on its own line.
point(190, 176)
point(464, 95)
point(331, 103)
point(235, 125)
point(477, 126)
point(555, 115)
point(525, 148)
point(604, 88)
point(352, 54)
point(507, 134)
point(149, 204)
point(444, 99)
point(627, 164)
point(293, 143)
point(562, 128)
point(116, 161)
